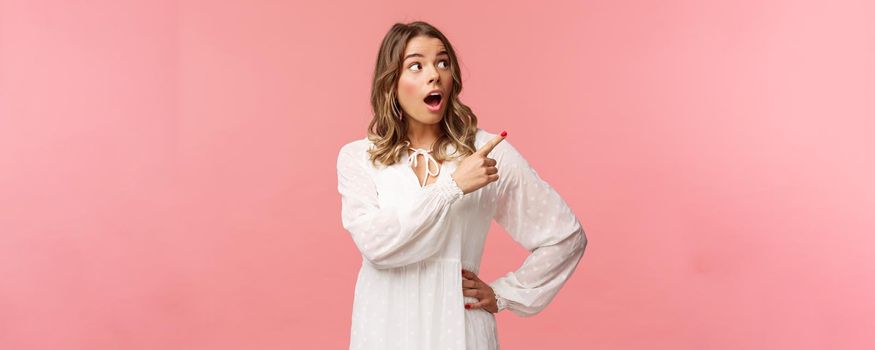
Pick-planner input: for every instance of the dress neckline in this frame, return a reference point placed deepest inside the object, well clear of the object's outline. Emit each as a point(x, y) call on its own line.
point(413, 161)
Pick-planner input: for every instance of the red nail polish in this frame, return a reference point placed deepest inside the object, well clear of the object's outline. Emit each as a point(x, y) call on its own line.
point(467, 306)
point(503, 133)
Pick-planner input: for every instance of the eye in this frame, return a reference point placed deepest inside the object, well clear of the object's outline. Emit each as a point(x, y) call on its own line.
point(444, 64)
point(417, 66)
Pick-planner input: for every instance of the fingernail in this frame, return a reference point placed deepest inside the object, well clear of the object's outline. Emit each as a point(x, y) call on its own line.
point(503, 133)
point(467, 306)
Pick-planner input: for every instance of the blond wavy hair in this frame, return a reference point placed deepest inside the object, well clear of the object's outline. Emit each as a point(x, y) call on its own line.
point(388, 128)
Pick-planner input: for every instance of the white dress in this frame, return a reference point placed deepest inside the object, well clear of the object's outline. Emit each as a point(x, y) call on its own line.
point(415, 240)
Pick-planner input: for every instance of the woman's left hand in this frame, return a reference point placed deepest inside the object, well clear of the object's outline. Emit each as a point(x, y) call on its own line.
point(473, 286)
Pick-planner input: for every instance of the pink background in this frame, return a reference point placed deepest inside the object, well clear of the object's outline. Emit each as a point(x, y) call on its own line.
point(167, 173)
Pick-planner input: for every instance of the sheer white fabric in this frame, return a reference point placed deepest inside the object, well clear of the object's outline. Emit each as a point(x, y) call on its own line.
point(415, 240)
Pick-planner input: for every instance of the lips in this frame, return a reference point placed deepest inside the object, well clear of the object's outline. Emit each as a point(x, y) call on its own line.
point(434, 100)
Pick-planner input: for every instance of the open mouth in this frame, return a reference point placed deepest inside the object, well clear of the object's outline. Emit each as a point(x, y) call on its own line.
point(433, 101)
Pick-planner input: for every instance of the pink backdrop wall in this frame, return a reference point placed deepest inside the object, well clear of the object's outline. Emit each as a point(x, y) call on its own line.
point(167, 170)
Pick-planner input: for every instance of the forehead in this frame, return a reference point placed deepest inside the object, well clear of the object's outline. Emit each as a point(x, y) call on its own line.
point(424, 45)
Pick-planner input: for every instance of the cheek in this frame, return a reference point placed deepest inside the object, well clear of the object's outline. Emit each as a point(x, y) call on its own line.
point(407, 86)
point(407, 89)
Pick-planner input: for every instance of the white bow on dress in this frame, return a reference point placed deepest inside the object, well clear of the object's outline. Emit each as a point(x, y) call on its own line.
point(413, 161)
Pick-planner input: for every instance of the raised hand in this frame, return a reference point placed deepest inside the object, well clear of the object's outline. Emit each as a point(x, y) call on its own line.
point(478, 170)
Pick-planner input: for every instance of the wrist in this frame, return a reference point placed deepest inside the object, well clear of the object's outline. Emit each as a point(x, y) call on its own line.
point(457, 189)
point(500, 302)
point(449, 189)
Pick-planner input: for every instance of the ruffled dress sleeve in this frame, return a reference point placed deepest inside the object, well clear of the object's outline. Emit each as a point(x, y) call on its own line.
point(391, 237)
point(537, 218)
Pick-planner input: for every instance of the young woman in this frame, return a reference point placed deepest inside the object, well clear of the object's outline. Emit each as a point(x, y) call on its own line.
point(418, 195)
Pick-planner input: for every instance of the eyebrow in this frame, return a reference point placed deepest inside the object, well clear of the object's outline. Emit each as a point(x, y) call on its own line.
point(420, 55)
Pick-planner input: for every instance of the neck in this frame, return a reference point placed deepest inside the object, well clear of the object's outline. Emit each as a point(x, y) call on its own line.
point(422, 135)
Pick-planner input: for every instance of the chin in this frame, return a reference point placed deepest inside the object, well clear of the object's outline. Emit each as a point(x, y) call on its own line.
point(430, 118)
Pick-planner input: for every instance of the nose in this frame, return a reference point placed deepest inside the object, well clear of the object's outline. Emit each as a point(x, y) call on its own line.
point(435, 77)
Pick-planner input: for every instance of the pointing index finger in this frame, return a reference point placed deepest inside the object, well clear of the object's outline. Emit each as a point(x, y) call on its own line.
point(491, 144)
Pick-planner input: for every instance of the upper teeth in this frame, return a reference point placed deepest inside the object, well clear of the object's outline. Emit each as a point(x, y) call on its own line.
point(435, 94)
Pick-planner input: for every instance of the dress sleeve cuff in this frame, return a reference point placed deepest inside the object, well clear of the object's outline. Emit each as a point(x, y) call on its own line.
point(448, 190)
point(500, 302)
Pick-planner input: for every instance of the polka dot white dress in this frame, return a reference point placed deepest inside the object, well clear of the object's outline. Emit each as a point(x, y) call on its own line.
point(415, 240)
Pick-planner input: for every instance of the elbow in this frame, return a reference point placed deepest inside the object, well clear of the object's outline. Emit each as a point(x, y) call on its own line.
point(580, 240)
point(382, 259)
point(377, 259)
point(384, 264)
point(373, 252)
point(583, 240)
